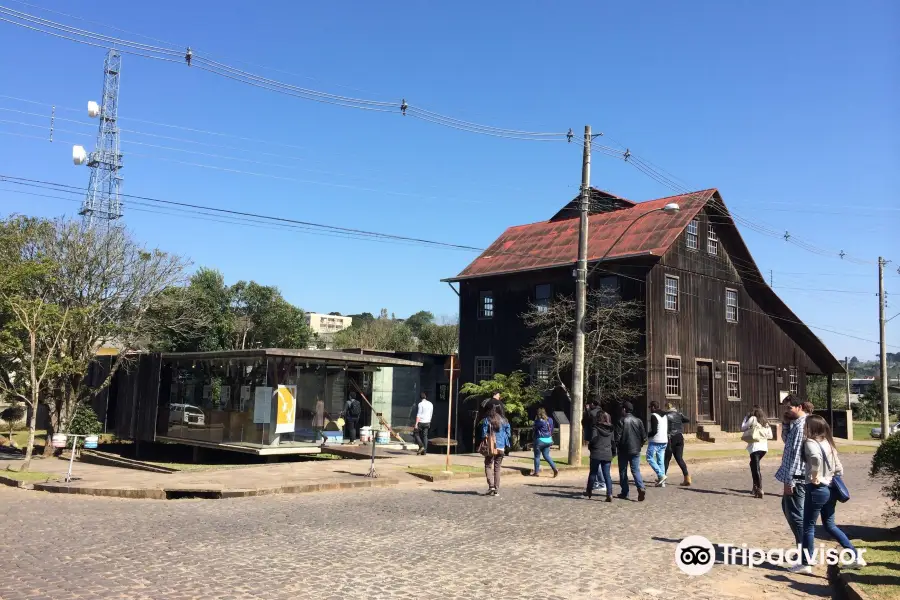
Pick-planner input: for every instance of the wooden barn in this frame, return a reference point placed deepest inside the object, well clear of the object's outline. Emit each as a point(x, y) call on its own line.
point(716, 338)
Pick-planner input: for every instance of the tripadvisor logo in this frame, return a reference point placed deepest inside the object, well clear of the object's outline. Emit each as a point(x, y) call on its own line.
point(696, 555)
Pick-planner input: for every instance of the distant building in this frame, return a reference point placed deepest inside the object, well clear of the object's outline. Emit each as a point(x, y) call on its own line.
point(325, 326)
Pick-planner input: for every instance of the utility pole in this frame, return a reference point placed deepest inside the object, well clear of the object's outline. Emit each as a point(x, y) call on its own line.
point(580, 305)
point(885, 420)
point(847, 367)
point(771, 279)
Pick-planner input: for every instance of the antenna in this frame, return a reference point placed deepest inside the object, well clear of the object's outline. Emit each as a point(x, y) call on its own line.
point(103, 200)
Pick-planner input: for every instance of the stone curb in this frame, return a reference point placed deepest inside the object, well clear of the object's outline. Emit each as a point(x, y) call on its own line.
point(109, 460)
point(210, 492)
point(22, 485)
point(849, 589)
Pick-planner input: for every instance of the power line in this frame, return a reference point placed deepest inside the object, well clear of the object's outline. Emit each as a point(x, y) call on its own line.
point(201, 61)
point(238, 217)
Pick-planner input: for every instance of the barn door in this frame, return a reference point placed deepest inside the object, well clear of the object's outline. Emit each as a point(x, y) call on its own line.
point(704, 391)
point(768, 391)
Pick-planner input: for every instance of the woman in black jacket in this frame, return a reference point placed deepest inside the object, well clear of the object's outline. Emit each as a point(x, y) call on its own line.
point(603, 448)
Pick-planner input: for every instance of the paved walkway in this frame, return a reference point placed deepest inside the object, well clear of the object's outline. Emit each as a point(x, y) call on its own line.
point(537, 540)
point(268, 476)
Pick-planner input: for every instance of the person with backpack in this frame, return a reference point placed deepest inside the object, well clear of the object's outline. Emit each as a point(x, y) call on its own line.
point(352, 413)
point(756, 432)
point(543, 440)
point(603, 448)
point(675, 447)
point(823, 491)
point(495, 438)
point(659, 441)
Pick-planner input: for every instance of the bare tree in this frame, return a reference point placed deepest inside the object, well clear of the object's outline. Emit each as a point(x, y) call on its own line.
point(612, 341)
point(107, 283)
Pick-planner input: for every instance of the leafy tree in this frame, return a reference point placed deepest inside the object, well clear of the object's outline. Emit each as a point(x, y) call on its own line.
point(517, 395)
point(439, 339)
point(817, 392)
point(12, 415)
point(383, 333)
point(418, 321)
point(869, 406)
point(361, 318)
point(85, 422)
point(611, 343)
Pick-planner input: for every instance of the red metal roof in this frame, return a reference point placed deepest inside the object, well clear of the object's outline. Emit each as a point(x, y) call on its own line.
point(555, 243)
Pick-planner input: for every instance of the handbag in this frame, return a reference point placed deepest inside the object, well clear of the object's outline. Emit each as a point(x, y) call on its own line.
point(749, 435)
point(838, 487)
point(488, 445)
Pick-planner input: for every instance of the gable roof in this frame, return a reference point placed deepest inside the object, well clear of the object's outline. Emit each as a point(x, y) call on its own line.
point(554, 243)
point(624, 232)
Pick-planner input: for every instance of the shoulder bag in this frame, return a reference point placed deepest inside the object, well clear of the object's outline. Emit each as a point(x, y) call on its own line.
point(748, 435)
point(838, 487)
point(488, 445)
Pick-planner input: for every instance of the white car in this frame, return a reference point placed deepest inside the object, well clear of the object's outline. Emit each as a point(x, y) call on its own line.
point(187, 414)
point(876, 431)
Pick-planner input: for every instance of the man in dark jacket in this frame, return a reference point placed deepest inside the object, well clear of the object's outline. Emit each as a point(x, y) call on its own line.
point(589, 420)
point(631, 435)
point(677, 421)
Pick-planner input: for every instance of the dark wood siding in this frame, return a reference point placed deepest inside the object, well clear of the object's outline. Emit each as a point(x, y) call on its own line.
point(699, 330)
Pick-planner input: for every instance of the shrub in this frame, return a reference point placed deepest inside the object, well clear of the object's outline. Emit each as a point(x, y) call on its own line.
point(886, 463)
point(85, 422)
point(11, 415)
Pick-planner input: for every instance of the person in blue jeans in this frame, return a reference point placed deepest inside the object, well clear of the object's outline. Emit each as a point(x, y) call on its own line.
point(631, 435)
point(659, 439)
point(822, 465)
point(602, 447)
point(543, 440)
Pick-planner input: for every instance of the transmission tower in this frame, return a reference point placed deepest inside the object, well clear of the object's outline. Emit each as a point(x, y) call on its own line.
point(103, 202)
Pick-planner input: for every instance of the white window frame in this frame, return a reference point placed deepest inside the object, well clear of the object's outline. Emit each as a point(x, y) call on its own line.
point(731, 318)
point(486, 309)
point(793, 381)
point(479, 372)
point(712, 241)
point(692, 235)
point(733, 380)
point(540, 366)
point(667, 296)
point(672, 371)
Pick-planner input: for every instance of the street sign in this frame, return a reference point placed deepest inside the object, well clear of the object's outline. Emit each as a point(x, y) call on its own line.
point(59, 440)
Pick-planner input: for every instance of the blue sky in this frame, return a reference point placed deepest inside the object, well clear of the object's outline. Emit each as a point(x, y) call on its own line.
point(790, 109)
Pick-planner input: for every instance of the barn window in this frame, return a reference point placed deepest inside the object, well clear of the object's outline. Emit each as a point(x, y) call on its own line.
point(691, 235)
point(734, 381)
point(731, 305)
point(486, 305)
point(542, 295)
point(484, 368)
point(673, 377)
point(712, 241)
point(540, 370)
point(793, 381)
point(671, 292)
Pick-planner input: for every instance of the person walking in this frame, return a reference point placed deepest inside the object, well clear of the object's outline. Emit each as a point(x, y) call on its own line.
point(591, 412)
point(677, 421)
point(631, 435)
point(423, 423)
point(603, 448)
point(822, 465)
point(351, 414)
point(659, 440)
point(756, 432)
point(495, 433)
point(543, 440)
point(792, 472)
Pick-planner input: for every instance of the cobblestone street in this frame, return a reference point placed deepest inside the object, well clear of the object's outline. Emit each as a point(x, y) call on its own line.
point(538, 540)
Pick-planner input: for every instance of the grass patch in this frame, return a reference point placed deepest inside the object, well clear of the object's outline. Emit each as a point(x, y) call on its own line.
point(30, 476)
point(453, 469)
point(880, 579)
point(862, 430)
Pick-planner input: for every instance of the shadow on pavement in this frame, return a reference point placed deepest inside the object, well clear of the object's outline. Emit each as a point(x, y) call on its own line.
point(569, 495)
point(817, 587)
point(458, 492)
point(716, 492)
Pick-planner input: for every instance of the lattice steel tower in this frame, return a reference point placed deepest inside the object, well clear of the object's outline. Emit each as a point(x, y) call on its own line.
point(103, 201)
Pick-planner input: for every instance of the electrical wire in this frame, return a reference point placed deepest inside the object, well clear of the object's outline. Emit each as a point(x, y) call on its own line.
point(205, 211)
